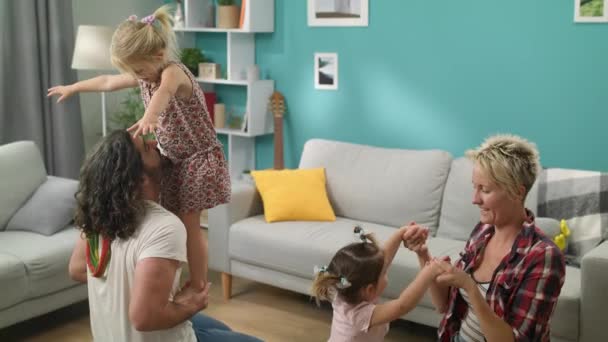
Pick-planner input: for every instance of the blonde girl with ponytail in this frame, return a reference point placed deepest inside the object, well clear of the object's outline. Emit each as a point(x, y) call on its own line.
point(194, 173)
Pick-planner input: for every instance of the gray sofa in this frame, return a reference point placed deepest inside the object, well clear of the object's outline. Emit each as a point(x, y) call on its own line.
point(382, 189)
point(33, 267)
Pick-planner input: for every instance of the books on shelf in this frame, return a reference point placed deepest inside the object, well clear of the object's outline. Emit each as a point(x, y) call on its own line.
point(245, 14)
point(243, 7)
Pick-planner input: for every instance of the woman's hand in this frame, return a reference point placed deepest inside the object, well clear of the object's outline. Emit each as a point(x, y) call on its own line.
point(144, 126)
point(63, 91)
point(453, 276)
point(415, 238)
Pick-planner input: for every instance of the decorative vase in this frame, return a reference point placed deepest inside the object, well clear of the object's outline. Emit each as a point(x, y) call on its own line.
point(228, 16)
point(178, 18)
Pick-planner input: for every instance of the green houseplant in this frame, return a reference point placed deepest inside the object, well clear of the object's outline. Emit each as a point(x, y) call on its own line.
point(131, 110)
point(191, 57)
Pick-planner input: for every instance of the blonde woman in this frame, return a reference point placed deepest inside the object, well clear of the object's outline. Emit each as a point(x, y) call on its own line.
point(506, 284)
point(195, 175)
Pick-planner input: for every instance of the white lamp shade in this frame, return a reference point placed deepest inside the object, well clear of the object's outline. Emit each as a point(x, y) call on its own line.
point(92, 50)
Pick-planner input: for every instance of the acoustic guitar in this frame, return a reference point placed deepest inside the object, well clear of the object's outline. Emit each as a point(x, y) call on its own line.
point(277, 106)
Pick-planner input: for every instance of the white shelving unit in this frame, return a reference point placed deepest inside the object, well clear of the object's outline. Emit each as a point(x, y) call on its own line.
point(240, 53)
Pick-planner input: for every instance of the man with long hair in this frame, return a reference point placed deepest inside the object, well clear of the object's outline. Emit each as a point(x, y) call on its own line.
point(131, 251)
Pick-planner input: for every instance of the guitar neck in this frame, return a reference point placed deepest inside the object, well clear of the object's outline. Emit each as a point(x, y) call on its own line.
point(279, 163)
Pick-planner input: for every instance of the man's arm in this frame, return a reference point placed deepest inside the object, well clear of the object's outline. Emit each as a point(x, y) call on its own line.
point(78, 261)
point(150, 308)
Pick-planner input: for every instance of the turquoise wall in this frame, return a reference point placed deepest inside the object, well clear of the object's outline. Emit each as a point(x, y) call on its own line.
point(444, 75)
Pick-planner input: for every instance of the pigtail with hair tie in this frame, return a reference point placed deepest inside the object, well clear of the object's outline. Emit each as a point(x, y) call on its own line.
point(360, 234)
point(149, 20)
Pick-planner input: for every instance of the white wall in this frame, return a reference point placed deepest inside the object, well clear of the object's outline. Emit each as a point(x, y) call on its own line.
point(107, 13)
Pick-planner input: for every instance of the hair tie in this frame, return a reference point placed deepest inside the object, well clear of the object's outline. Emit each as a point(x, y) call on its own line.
point(360, 234)
point(319, 269)
point(344, 283)
point(132, 17)
point(149, 19)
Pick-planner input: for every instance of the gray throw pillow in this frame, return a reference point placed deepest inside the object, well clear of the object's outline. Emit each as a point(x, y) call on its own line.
point(49, 210)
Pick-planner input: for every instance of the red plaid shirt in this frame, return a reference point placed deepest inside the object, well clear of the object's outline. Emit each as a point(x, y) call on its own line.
point(524, 288)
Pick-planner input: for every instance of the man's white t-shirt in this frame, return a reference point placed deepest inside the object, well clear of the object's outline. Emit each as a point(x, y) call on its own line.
point(161, 235)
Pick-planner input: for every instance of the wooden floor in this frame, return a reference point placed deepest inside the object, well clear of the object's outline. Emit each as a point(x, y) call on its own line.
point(269, 313)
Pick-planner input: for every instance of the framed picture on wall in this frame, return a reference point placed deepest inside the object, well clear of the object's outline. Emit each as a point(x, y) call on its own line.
point(338, 12)
point(590, 11)
point(326, 71)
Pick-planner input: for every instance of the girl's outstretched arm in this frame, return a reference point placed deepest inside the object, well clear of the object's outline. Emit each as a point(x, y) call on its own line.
point(392, 245)
point(99, 83)
point(409, 298)
point(171, 78)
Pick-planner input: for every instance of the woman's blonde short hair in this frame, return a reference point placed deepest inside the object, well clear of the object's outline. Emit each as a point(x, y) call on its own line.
point(509, 160)
point(138, 41)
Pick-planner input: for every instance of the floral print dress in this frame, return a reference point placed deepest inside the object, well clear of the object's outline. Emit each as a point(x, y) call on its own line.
point(195, 173)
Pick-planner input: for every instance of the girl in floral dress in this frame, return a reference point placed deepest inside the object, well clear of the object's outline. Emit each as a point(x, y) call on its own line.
point(194, 175)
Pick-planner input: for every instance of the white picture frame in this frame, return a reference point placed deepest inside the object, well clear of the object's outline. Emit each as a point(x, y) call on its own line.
point(326, 71)
point(338, 12)
point(583, 9)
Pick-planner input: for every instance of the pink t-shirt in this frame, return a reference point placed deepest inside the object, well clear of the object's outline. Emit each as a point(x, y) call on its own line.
point(350, 323)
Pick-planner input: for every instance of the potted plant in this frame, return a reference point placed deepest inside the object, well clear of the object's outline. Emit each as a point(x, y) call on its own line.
point(131, 110)
point(191, 57)
point(227, 14)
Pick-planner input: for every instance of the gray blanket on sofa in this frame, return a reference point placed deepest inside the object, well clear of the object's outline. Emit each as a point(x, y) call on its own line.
point(581, 198)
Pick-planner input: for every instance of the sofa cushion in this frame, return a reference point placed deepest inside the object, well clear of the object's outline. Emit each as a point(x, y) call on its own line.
point(565, 320)
point(458, 214)
point(296, 247)
point(21, 171)
point(381, 185)
point(45, 258)
point(294, 195)
point(50, 209)
point(13, 279)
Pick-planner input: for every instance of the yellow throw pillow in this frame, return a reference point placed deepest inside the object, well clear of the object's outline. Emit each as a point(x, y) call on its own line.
point(294, 195)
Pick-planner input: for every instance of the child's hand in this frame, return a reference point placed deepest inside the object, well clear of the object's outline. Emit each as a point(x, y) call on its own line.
point(433, 268)
point(63, 91)
point(453, 276)
point(145, 125)
point(415, 238)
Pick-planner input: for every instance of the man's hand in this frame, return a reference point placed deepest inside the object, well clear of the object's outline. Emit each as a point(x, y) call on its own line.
point(63, 91)
point(190, 297)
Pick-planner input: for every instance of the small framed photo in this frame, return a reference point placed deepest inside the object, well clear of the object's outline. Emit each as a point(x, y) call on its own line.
point(209, 71)
point(338, 12)
point(590, 11)
point(326, 71)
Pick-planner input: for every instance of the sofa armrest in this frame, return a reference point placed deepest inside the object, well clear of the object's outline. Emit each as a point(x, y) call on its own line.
point(594, 294)
point(245, 202)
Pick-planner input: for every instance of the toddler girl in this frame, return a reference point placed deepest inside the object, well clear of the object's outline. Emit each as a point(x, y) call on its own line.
point(354, 281)
point(195, 175)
